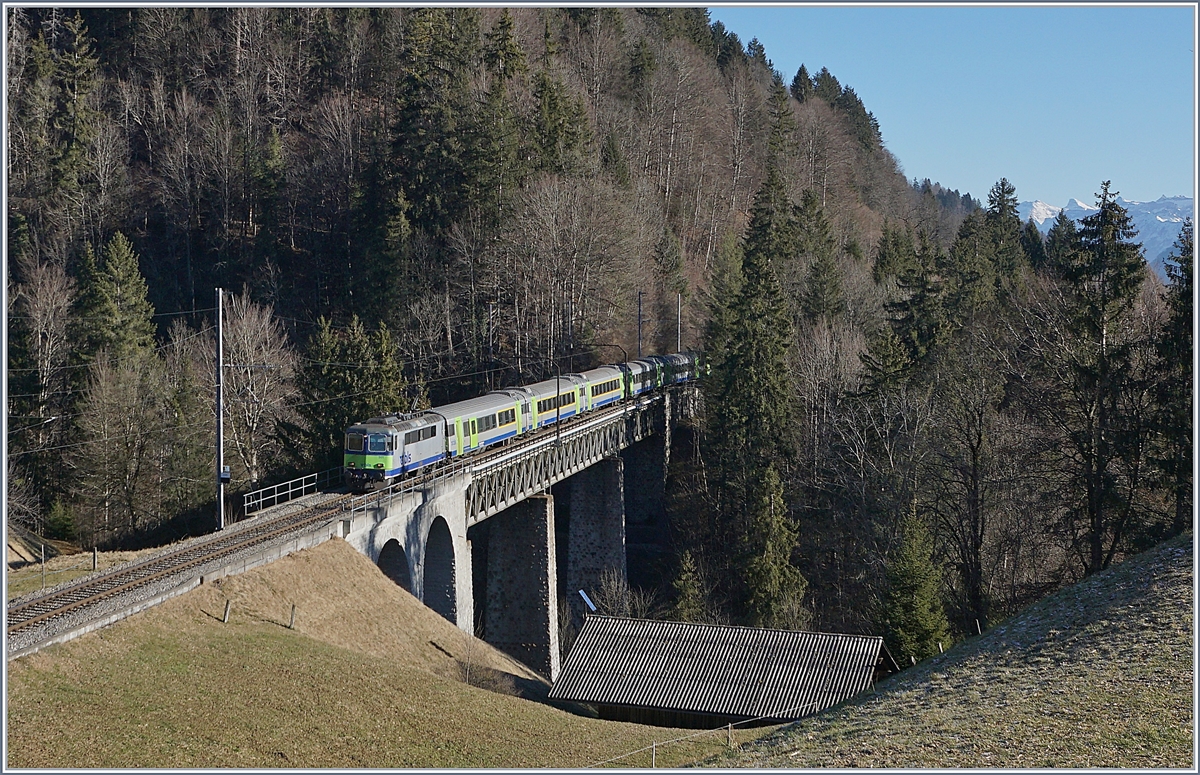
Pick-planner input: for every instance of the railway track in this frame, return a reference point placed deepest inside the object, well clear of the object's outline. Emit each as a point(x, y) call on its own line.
point(94, 590)
point(138, 580)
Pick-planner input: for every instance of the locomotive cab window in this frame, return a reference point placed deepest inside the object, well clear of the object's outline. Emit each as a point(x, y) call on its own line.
point(354, 442)
point(377, 442)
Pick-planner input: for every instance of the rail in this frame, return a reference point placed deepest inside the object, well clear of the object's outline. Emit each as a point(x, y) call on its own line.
point(286, 491)
point(30, 610)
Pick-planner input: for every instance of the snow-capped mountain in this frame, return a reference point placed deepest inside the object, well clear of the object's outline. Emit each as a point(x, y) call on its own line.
point(1158, 222)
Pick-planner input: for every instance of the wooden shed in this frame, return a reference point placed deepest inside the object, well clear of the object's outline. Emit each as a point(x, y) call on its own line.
point(703, 675)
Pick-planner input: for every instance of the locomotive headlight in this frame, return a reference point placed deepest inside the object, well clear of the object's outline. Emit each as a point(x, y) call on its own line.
point(379, 465)
point(352, 464)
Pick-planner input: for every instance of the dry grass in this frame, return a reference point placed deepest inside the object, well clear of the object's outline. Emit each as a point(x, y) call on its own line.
point(1098, 675)
point(368, 678)
point(64, 567)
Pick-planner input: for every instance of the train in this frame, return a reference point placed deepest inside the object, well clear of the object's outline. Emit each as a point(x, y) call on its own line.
point(384, 449)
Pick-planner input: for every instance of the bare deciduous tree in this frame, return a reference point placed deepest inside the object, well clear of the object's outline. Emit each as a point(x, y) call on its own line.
point(259, 385)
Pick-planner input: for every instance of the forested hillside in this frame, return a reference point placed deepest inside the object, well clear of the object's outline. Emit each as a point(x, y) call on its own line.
point(914, 397)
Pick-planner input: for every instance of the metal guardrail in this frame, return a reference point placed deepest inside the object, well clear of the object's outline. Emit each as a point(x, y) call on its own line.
point(282, 493)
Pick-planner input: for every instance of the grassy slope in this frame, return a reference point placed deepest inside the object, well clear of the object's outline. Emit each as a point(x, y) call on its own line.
point(64, 567)
point(1098, 675)
point(368, 678)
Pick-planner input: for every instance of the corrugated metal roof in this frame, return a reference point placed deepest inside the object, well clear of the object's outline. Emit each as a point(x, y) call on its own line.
point(706, 668)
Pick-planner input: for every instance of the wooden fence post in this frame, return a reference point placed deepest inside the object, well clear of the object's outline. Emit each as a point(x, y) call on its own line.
point(225, 619)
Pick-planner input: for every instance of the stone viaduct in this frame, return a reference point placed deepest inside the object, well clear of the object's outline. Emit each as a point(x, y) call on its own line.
point(493, 544)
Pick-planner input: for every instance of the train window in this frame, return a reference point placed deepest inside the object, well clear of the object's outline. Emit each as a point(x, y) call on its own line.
point(354, 442)
point(412, 437)
point(429, 433)
point(377, 442)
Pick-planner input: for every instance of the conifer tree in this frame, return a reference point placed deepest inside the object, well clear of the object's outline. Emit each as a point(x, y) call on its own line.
point(912, 616)
point(114, 313)
point(1062, 242)
point(751, 436)
point(724, 289)
point(895, 254)
point(826, 86)
point(349, 375)
point(885, 362)
point(428, 135)
point(74, 118)
point(690, 604)
point(1005, 226)
point(560, 130)
point(969, 270)
point(751, 379)
point(493, 158)
point(613, 161)
point(774, 587)
point(919, 315)
point(781, 142)
point(802, 85)
point(821, 296)
point(1033, 244)
point(1101, 281)
point(1175, 351)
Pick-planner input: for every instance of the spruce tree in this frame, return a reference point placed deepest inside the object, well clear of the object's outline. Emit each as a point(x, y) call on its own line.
point(919, 315)
point(724, 289)
point(1062, 242)
point(1101, 279)
point(774, 587)
point(560, 130)
point(1175, 351)
point(895, 254)
point(802, 85)
point(969, 271)
point(751, 437)
point(1005, 226)
point(826, 86)
point(74, 119)
point(1033, 244)
point(781, 142)
point(752, 383)
point(885, 363)
point(432, 115)
point(114, 313)
point(821, 296)
point(911, 616)
point(494, 162)
point(690, 604)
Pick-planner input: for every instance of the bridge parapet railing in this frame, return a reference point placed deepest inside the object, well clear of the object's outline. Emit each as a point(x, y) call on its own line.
point(286, 491)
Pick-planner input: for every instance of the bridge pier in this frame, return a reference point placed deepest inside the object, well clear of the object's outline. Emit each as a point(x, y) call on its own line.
point(418, 533)
point(522, 585)
point(432, 534)
point(596, 533)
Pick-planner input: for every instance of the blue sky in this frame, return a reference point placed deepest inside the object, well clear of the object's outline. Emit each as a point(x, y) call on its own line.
point(1056, 99)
